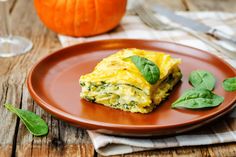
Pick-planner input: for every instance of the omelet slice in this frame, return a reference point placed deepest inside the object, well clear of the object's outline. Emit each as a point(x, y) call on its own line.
point(116, 82)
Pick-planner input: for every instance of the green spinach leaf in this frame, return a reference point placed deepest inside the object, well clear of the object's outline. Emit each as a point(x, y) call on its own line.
point(33, 122)
point(229, 84)
point(202, 79)
point(198, 98)
point(148, 69)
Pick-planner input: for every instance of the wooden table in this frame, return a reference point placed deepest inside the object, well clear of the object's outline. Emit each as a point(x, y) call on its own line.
point(63, 139)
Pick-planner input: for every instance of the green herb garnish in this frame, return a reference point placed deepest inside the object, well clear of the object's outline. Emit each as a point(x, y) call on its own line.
point(202, 79)
point(198, 98)
point(229, 84)
point(33, 122)
point(148, 69)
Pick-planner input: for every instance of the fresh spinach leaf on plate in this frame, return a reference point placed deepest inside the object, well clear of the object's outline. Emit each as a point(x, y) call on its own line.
point(202, 79)
point(33, 122)
point(198, 98)
point(229, 84)
point(148, 69)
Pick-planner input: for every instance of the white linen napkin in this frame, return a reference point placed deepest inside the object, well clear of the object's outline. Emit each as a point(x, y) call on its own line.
point(132, 27)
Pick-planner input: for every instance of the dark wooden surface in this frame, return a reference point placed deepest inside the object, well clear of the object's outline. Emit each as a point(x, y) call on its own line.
point(63, 139)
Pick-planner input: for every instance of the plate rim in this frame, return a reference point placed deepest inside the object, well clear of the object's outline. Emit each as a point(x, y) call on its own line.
point(96, 124)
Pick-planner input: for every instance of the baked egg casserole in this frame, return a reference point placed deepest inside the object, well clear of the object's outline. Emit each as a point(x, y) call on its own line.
point(116, 82)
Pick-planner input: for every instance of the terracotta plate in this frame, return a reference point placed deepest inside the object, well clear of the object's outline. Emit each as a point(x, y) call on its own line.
point(53, 84)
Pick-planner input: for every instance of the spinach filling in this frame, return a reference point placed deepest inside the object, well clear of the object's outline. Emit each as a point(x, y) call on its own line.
point(113, 95)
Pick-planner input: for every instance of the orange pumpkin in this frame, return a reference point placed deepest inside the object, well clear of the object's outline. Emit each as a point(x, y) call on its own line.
point(80, 17)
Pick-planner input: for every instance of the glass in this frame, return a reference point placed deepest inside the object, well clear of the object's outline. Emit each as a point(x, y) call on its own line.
point(10, 45)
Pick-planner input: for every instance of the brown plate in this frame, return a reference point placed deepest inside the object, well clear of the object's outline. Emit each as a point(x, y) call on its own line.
point(53, 84)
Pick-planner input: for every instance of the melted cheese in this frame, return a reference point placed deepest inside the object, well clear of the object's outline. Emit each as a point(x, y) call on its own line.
point(117, 69)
